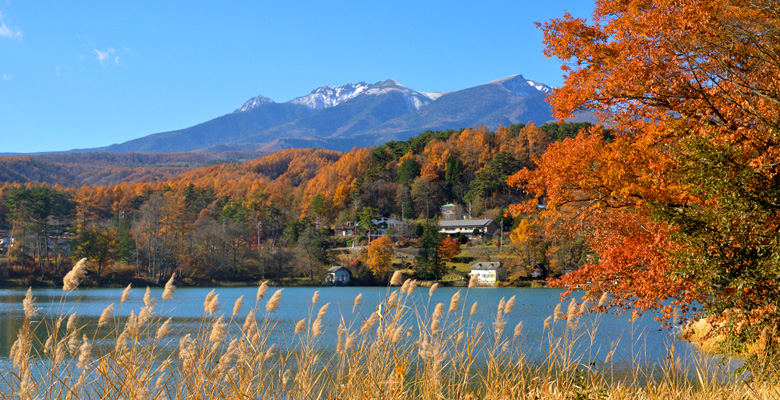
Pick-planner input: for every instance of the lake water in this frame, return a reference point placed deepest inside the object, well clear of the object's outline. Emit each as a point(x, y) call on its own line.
point(642, 340)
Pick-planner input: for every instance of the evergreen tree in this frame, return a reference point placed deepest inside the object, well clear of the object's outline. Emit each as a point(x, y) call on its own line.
point(407, 171)
point(428, 264)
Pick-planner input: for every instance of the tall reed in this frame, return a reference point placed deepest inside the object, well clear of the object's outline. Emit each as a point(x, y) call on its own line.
point(406, 347)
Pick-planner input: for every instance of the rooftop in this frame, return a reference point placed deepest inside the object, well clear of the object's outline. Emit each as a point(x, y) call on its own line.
point(486, 265)
point(475, 223)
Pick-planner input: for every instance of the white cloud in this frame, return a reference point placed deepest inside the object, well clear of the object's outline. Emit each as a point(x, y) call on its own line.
point(107, 57)
point(7, 32)
point(7, 77)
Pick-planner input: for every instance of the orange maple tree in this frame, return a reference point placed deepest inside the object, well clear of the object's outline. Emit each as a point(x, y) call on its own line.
point(681, 196)
point(380, 255)
point(449, 248)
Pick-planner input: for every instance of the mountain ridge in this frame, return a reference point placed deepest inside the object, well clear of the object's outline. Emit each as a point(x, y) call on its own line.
point(340, 117)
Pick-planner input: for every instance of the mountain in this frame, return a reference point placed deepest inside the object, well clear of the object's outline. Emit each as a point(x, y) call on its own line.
point(230, 128)
point(361, 114)
point(503, 102)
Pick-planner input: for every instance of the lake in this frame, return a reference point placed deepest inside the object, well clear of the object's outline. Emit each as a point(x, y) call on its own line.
point(642, 340)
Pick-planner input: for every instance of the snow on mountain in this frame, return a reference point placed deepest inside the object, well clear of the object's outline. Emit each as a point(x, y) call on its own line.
point(331, 96)
point(540, 86)
point(433, 95)
point(519, 85)
point(254, 102)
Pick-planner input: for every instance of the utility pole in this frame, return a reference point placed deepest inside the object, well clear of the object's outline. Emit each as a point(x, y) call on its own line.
point(501, 238)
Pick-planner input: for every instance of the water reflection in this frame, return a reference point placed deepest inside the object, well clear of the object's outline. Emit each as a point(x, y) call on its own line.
point(629, 340)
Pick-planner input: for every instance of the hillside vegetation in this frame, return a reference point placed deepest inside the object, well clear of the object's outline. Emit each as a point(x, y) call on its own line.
point(270, 217)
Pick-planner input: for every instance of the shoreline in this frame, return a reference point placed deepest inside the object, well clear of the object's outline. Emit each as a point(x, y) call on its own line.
point(187, 283)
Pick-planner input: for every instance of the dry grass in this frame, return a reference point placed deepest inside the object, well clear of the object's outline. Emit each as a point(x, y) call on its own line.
point(396, 352)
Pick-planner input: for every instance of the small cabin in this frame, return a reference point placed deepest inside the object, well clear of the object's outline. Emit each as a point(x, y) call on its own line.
point(540, 271)
point(338, 275)
point(488, 273)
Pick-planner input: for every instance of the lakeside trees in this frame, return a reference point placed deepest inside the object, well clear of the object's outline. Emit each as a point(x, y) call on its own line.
point(681, 200)
point(268, 217)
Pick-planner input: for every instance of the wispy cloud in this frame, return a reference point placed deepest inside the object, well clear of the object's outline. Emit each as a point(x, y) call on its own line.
point(7, 77)
point(107, 57)
point(8, 32)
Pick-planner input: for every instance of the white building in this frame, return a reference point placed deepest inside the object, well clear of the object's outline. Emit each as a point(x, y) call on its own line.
point(488, 273)
point(384, 224)
point(467, 227)
point(338, 275)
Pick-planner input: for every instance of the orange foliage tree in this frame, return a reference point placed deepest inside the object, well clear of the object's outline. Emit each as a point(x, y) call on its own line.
point(380, 255)
point(449, 248)
point(681, 198)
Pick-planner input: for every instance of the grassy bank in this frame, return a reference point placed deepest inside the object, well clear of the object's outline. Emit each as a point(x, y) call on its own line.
point(395, 352)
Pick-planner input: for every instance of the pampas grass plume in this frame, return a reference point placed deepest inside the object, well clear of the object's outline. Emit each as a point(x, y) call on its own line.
point(218, 331)
point(164, 329)
point(169, 288)
point(207, 300)
point(300, 326)
point(510, 305)
point(436, 317)
point(316, 328)
point(84, 353)
point(248, 321)
point(237, 305)
point(213, 305)
point(518, 330)
point(455, 302)
point(473, 281)
point(274, 301)
point(397, 279)
point(73, 278)
point(584, 306)
point(358, 301)
point(603, 300)
point(261, 290)
point(572, 310)
point(71, 324)
point(29, 305)
point(125, 294)
point(106, 315)
point(557, 313)
point(148, 300)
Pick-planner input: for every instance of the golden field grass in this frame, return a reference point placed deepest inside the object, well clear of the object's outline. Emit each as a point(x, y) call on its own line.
point(396, 352)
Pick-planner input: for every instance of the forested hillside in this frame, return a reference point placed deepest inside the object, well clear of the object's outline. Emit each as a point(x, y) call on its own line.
point(77, 169)
point(272, 217)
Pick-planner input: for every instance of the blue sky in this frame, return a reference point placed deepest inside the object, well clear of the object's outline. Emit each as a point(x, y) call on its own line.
point(91, 73)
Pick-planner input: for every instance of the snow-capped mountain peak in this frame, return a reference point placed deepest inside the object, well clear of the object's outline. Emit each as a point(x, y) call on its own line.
point(253, 103)
point(519, 85)
point(331, 96)
point(540, 86)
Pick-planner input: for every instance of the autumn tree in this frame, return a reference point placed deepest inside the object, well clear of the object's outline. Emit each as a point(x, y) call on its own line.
point(449, 248)
point(97, 244)
point(379, 257)
point(427, 195)
point(680, 199)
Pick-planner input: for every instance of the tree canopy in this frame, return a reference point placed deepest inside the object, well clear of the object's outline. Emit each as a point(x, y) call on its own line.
point(681, 199)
